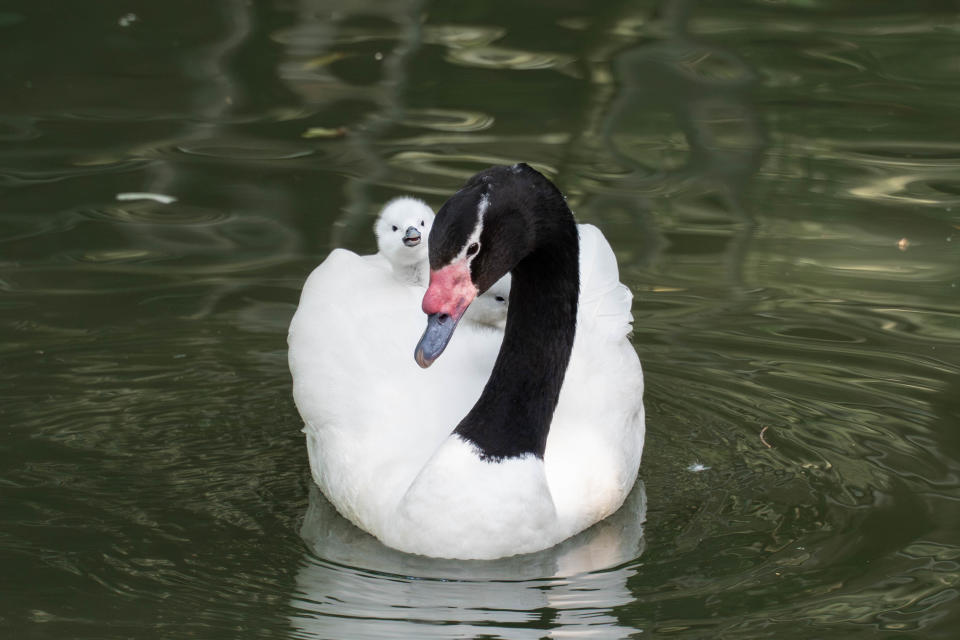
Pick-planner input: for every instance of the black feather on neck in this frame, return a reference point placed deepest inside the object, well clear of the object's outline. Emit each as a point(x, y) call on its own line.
point(513, 414)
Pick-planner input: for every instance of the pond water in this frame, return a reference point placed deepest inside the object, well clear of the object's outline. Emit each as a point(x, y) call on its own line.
point(780, 181)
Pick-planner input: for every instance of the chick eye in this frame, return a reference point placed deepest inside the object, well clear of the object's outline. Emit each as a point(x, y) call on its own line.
point(421, 223)
point(394, 227)
point(472, 249)
point(500, 299)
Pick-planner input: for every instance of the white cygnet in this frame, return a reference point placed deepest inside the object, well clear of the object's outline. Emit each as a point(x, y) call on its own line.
point(402, 229)
point(490, 309)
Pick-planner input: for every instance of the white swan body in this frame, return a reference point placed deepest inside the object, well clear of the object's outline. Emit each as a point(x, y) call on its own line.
point(380, 430)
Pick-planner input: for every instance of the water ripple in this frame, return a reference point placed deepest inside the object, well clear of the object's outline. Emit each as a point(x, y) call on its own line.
point(457, 166)
point(938, 188)
point(22, 177)
point(245, 152)
point(154, 213)
point(461, 35)
point(502, 58)
point(447, 120)
point(18, 129)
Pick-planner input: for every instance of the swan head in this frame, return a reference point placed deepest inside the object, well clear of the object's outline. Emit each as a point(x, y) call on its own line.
point(402, 229)
point(481, 233)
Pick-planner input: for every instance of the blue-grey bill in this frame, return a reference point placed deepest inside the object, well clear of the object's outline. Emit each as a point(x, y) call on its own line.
point(411, 237)
point(435, 337)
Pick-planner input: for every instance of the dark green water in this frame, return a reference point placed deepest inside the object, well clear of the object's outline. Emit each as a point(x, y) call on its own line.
point(780, 180)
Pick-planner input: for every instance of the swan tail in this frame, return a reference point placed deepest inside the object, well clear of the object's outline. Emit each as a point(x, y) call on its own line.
point(605, 303)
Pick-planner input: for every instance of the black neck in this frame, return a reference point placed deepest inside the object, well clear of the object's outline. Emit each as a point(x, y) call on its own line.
point(513, 415)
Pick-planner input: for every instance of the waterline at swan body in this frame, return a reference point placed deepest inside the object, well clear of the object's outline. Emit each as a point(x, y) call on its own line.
point(509, 442)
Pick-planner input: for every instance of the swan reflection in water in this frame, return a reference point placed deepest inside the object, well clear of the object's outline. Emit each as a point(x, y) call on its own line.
point(352, 586)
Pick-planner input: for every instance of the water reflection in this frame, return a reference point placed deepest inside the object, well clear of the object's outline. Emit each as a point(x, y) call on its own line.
point(502, 58)
point(354, 54)
point(705, 92)
point(353, 586)
point(448, 120)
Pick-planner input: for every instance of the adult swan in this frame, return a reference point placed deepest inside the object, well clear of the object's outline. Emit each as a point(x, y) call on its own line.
point(553, 440)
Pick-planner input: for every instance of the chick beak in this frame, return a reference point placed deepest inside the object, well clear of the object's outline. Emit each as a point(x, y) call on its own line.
point(411, 237)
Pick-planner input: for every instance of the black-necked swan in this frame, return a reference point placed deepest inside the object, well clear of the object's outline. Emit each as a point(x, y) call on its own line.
point(493, 450)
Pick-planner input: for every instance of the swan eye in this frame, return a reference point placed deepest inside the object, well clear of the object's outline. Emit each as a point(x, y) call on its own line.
point(394, 227)
point(421, 223)
point(472, 249)
point(500, 299)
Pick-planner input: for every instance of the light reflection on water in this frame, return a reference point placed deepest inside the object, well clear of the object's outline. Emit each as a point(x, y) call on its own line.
point(779, 183)
point(343, 590)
